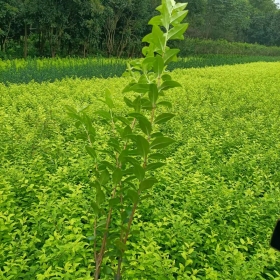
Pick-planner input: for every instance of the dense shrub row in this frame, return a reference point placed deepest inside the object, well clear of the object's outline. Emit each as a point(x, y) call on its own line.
point(195, 46)
point(40, 70)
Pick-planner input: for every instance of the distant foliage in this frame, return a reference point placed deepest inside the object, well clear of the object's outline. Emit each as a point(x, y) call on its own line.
point(196, 46)
point(50, 70)
point(52, 28)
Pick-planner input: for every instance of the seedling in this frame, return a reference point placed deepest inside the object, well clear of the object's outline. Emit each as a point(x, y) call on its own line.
point(124, 169)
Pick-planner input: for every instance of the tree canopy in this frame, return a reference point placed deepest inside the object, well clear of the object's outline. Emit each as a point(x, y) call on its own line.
point(115, 27)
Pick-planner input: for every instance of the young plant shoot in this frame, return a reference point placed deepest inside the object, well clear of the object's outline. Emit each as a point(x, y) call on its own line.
point(124, 168)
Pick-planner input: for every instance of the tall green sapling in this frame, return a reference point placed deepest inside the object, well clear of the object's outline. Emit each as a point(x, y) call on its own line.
point(124, 170)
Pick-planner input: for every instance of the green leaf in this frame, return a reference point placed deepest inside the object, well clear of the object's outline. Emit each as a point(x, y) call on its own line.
point(122, 156)
point(163, 118)
point(114, 201)
point(77, 124)
point(88, 123)
point(165, 104)
point(108, 99)
point(143, 79)
point(156, 134)
point(95, 184)
point(120, 245)
point(144, 123)
point(146, 104)
point(106, 164)
point(127, 130)
point(91, 152)
point(128, 102)
point(166, 77)
point(154, 166)
point(95, 207)
point(157, 38)
point(114, 143)
point(140, 88)
point(170, 55)
point(136, 64)
point(156, 20)
point(133, 137)
point(108, 152)
point(161, 142)
point(147, 64)
point(169, 84)
point(169, 4)
point(124, 216)
point(101, 224)
point(180, 7)
point(72, 113)
point(117, 176)
point(100, 196)
point(148, 51)
point(158, 65)
point(91, 138)
point(177, 32)
point(104, 177)
point(166, 12)
point(148, 38)
point(123, 120)
point(132, 160)
point(70, 109)
point(139, 172)
point(137, 104)
point(104, 114)
point(130, 178)
point(142, 146)
point(145, 126)
point(133, 195)
point(153, 93)
point(108, 270)
point(127, 88)
point(137, 116)
point(82, 136)
point(177, 17)
point(91, 131)
point(147, 184)
point(157, 156)
point(159, 8)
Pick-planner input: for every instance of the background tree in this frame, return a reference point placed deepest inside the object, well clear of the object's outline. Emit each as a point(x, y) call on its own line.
point(8, 14)
point(115, 27)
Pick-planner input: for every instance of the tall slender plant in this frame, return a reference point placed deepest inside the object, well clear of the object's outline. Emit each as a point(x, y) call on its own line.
point(124, 169)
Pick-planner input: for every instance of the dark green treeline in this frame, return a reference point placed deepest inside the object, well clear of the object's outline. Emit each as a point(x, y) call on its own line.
point(52, 28)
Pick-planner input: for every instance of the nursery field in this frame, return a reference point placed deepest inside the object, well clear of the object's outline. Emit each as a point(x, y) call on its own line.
point(211, 214)
point(49, 69)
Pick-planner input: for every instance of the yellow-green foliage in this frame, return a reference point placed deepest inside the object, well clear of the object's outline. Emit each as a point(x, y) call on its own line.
point(209, 217)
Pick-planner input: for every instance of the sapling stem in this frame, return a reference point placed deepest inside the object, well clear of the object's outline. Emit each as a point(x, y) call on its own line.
point(135, 161)
point(125, 239)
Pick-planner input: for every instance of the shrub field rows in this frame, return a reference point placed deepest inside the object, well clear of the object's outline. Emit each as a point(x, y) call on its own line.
point(43, 70)
point(211, 214)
